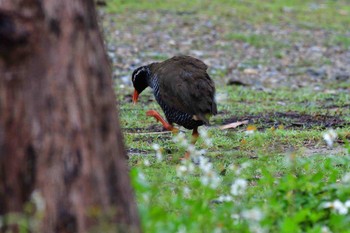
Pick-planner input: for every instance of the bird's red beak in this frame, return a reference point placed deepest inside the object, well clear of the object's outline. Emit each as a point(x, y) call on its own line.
point(135, 97)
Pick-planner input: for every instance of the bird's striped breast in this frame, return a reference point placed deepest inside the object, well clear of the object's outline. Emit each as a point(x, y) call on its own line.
point(173, 115)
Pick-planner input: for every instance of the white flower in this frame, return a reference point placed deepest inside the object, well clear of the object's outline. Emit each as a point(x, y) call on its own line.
point(327, 205)
point(249, 132)
point(197, 154)
point(204, 134)
point(146, 162)
point(191, 149)
point(215, 181)
point(182, 229)
point(254, 214)
point(330, 136)
point(204, 164)
point(210, 179)
point(347, 204)
point(250, 129)
point(181, 170)
point(238, 187)
point(184, 144)
point(186, 191)
point(346, 178)
point(159, 156)
point(325, 229)
point(186, 167)
point(231, 167)
point(236, 216)
point(145, 197)
point(256, 228)
point(243, 166)
point(155, 147)
point(38, 200)
point(180, 138)
point(338, 206)
point(208, 142)
point(225, 198)
point(142, 178)
point(204, 180)
point(190, 167)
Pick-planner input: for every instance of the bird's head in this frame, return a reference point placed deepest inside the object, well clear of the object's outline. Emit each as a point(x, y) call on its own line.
point(139, 79)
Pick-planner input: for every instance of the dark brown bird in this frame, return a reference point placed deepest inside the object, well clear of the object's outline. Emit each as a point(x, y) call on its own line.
point(182, 88)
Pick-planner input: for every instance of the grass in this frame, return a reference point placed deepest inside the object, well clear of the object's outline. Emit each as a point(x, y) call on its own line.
point(288, 178)
point(258, 41)
point(309, 14)
point(281, 178)
point(339, 40)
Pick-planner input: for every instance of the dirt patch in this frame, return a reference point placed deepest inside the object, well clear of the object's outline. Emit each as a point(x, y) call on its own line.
point(292, 120)
point(334, 106)
point(151, 129)
point(133, 151)
point(324, 151)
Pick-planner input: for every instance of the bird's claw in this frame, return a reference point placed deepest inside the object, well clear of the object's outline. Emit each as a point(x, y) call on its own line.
point(175, 130)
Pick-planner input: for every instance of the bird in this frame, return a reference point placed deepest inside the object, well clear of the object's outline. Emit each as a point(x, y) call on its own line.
point(182, 88)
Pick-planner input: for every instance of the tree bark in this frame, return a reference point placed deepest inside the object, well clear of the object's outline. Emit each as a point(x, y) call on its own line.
point(59, 130)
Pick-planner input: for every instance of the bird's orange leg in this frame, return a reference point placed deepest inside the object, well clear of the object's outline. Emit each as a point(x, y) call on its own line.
point(165, 124)
point(195, 136)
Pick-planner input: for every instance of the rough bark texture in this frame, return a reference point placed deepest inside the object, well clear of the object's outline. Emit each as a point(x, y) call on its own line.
point(59, 131)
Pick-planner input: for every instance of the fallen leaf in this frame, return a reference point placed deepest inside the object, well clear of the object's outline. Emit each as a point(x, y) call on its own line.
point(234, 124)
point(251, 128)
point(250, 71)
point(343, 12)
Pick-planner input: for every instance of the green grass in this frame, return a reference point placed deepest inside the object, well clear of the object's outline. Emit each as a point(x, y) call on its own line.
point(288, 192)
point(289, 170)
point(339, 40)
point(309, 14)
point(288, 178)
point(258, 41)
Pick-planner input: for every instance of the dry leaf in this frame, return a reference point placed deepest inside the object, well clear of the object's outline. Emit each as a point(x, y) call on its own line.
point(251, 128)
point(234, 124)
point(343, 12)
point(250, 71)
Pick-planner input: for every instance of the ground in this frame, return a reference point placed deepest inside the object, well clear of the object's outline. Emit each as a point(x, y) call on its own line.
point(282, 65)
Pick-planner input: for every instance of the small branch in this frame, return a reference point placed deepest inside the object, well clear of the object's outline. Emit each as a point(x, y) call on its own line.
point(150, 133)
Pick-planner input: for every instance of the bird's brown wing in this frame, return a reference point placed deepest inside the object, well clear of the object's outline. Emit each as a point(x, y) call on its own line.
point(185, 85)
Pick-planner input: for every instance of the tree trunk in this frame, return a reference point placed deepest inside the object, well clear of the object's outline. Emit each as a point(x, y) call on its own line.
point(59, 130)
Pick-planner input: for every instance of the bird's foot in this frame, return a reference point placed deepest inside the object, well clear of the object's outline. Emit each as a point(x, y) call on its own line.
point(175, 130)
point(195, 136)
point(186, 156)
point(165, 124)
